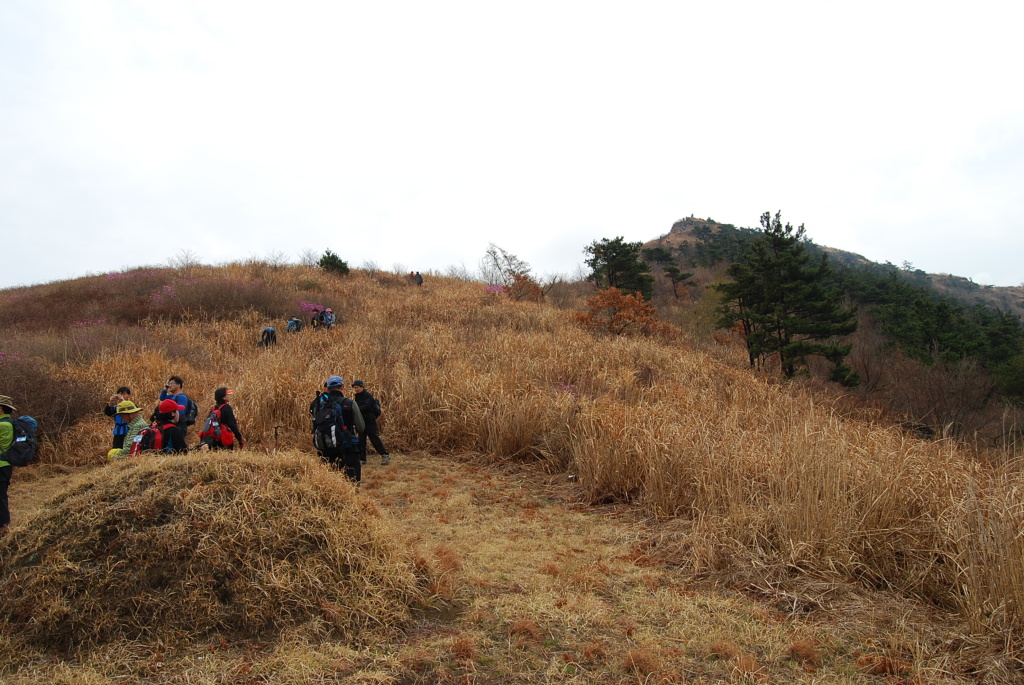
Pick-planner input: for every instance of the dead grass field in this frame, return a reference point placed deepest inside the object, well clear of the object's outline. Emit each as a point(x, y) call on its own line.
point(562, 506)
point(530, 584)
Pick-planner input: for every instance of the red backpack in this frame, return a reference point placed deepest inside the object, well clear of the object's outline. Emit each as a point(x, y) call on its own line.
point(213, 429)
point(150, 439)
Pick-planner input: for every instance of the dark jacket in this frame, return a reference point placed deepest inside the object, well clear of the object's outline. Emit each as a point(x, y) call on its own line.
point(349, 409)
point(369, 407)
point(227, 418)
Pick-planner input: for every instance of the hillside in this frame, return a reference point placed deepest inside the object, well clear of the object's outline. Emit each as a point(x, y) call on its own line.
point(1009, 298)
point(562, 506)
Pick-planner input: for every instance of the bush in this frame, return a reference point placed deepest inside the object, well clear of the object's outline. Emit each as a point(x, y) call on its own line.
point(333, 263)
point(55, 403)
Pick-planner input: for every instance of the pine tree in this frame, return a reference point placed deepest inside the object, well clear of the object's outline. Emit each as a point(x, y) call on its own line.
point(617, 264)
point(782, 299)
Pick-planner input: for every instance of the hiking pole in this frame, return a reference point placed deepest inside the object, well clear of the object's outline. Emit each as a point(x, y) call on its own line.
point(275, 436)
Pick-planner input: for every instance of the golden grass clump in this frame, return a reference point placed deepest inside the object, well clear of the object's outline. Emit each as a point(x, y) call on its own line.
point(243, 546)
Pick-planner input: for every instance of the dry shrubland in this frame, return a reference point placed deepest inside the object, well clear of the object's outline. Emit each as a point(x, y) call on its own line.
point(766, 474)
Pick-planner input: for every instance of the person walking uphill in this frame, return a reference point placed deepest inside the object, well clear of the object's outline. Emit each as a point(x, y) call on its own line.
point(369, 407)
point(336, 425)
point(134, 423)
point(220, 432)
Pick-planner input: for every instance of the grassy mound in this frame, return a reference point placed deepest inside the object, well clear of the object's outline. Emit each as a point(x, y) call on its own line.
point(180, 547)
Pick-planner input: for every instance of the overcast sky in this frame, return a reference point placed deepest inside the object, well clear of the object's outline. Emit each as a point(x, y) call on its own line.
point(414, 133)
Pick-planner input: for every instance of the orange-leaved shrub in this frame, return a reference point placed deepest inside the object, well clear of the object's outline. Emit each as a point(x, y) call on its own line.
point(619, 313)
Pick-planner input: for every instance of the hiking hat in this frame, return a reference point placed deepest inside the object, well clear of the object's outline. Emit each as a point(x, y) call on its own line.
point(359, 383)
point(127, 407)
point(7, 402)
point(167, 406)
point(334, 382)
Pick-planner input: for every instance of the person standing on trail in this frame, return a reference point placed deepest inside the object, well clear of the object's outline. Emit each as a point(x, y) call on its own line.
point(120, 424)
point(369, 407)
point(221, 429)
point(337, 423)
point(6, 439)
point(134, 423)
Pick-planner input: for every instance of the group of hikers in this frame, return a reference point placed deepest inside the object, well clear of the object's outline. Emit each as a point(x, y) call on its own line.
point(167, 427)
point(322, 318)
point(342, 427)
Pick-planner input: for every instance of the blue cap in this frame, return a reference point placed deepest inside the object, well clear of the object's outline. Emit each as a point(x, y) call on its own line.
point(334, 382)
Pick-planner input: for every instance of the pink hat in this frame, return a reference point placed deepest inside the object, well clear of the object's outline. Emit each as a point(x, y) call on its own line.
point(167, 406)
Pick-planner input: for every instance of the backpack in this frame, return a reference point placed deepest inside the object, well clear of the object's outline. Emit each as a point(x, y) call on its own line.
point(213, 429)
point(152, 439)
point(329, 429)
point(294, 326)
point(191, 411)
point(22, 451)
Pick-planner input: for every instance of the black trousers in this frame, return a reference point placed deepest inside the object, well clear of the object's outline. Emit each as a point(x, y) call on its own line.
point(345, 460)
point(5, 481)
point(371, 433)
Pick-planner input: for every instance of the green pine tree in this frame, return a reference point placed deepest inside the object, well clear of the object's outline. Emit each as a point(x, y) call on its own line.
point(783, 301)
point(617, 264)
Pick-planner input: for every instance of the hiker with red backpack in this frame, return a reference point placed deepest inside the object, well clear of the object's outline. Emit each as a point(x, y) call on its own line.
point(164, 434)
point(134, 422)
point(220, 432)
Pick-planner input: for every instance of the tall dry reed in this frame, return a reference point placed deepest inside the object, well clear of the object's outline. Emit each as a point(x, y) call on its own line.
point(673, 429)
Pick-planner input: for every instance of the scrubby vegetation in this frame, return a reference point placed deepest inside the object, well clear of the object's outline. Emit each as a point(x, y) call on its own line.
point(733, 481)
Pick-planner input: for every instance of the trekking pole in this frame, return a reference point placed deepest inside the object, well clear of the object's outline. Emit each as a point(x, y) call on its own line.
point(275, 436)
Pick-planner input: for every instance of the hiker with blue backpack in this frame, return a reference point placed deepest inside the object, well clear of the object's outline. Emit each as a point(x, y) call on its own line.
point(120, 424)
point(336, 427)
point(17, 448)
point(134, 423)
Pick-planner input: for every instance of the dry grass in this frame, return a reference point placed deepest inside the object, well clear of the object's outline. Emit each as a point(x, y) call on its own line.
point(178, 548)
point(745, 482)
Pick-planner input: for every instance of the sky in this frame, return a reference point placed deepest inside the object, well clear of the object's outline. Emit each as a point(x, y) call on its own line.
point(411, 135)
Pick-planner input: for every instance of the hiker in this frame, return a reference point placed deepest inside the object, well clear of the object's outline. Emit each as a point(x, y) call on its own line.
point(336, 425)
point(221, 429)
point(120, 424)
point(328, 318)
point(173, 391)
point(6, 439)
point(315, 320)
point(268, 337)
point(294, 325)
point(369, 407)
point(134, 423)
point(167, 419)
point(419, 279)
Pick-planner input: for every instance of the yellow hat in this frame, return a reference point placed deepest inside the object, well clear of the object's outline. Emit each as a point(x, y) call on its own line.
point(127, 407)
point(112, 453)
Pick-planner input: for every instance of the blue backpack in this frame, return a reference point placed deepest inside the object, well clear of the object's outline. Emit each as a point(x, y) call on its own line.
point(22, 451)
point(330, 431)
